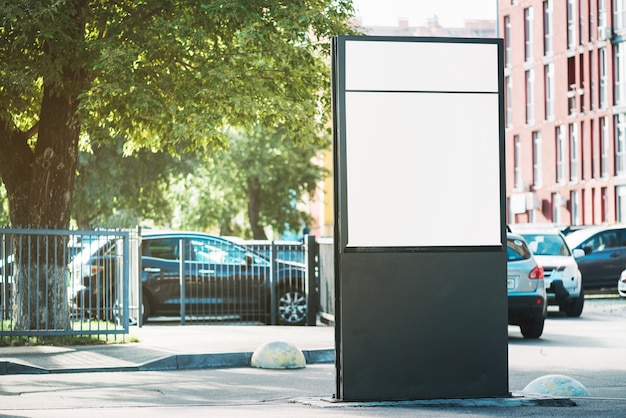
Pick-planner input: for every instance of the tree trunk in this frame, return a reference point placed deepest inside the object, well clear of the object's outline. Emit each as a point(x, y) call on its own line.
point(254, 208)
point(45, 201)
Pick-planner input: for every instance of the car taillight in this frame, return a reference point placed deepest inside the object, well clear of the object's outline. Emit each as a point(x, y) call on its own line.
point(536, 273)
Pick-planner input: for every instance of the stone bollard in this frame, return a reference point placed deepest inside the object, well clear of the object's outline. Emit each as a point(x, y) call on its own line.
point(556, 385)
point(278, 355)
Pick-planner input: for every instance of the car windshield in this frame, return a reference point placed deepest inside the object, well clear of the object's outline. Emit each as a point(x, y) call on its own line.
point(517, 250)
point(547, 244)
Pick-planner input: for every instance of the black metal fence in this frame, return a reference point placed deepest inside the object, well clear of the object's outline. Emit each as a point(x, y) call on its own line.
point(101, 282)
point(44, 283)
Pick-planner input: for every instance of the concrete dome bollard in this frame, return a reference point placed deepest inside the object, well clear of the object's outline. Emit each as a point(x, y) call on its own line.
point(556, 385)
point(278, 355)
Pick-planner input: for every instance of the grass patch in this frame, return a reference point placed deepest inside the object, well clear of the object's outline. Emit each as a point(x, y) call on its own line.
point(95, 333)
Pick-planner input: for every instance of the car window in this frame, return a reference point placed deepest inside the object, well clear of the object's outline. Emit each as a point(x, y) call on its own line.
point(517, 250)
point(166, 248)
point(602, 241)
point(547, 244)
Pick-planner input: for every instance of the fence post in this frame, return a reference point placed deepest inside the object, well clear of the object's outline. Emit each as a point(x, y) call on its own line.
point(311, 279)
point(182, 280)
point(273, 281)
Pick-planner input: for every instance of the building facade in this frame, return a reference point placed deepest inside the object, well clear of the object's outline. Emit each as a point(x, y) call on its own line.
point(565, 111)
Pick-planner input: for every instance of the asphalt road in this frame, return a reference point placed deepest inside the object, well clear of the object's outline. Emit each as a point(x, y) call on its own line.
point(590, 349)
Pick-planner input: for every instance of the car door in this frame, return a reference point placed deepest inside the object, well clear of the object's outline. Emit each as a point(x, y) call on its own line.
point(160, 264)
point(228, 278)
point(603, 262)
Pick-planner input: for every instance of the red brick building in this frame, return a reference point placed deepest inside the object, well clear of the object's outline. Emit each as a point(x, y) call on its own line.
point(565, 111)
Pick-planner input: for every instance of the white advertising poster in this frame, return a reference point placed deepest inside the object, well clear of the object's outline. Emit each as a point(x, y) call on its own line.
point(422, 144)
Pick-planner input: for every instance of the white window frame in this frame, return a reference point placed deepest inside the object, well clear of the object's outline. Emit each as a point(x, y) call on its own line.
point(560, 154)
point(530, 95)
point(618, 84)
point(603, 85)
point(574, 207)
point(571, 24)
point(528, 34)
point(604, 148)
point(517, 163)
point(620, 144)
point(547, 27)
point(619, 11)
point(549, 91)
point(537, 160)
point(574, 152)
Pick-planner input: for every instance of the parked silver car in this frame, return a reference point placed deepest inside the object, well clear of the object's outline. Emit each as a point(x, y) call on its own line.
point(526, 289)
point(561, 273)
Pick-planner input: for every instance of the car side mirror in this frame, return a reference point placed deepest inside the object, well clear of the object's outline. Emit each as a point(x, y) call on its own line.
point(578, 253)
point(588, 249)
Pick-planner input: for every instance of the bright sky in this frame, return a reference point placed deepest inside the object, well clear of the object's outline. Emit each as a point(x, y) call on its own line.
point(451, 13)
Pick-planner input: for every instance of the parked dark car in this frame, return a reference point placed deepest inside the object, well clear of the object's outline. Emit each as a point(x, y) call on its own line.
point(222, 279)
point(605, 254)
point(528, 306)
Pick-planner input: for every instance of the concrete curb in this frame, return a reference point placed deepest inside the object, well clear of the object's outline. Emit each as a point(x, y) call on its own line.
point(171, 362)
point(515, 400)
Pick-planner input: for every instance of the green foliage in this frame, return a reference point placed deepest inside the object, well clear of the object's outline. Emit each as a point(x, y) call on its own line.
point(263, 177)
point(117, 191)
point(4, 207)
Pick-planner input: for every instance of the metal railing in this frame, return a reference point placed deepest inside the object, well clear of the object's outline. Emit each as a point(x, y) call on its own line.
point(66, 282)
point(51, 285)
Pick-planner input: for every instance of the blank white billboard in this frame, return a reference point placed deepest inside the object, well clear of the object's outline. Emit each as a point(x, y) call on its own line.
point(422, 137)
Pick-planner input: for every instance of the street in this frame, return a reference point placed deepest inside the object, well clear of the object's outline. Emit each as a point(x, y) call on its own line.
point(590, 349)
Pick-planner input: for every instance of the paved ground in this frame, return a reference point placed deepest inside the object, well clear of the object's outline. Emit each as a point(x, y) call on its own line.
point(170, 346)
point(176, 363)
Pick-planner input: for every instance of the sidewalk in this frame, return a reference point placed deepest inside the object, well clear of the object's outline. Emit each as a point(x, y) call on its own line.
point(170, 347)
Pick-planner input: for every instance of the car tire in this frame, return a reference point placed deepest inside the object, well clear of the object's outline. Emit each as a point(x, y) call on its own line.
point(145, 308)
point(532, 329)
point(574, 308)
point(292, 309)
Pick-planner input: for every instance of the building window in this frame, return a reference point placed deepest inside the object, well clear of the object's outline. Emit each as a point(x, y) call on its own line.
point(581, 82)
point(604, 149)
point(547, 27)
point(602, 85)
point(572, 93)
point(560, 151)
point(528, 33)
point(507, 40)
point(619, 85)
point(508, 102)
point(592, 79)
point(620, 145)
point(537, 164)
point(620, 196)
point(548, 75)
point(619, 20)
point(605, 204)
point(530, 99)
point(592, 151)
point(517, 163)
point(574, 206)
point(601, 14)
point(557, 202)
point(571, 24)
point(573, 152)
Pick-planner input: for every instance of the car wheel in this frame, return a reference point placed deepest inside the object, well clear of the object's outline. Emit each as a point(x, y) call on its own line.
point(532, 329)
point(145, 308)
point(575, 307)
point(292, 309)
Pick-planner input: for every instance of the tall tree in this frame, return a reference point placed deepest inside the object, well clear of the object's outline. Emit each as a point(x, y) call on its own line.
point(166, 74)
